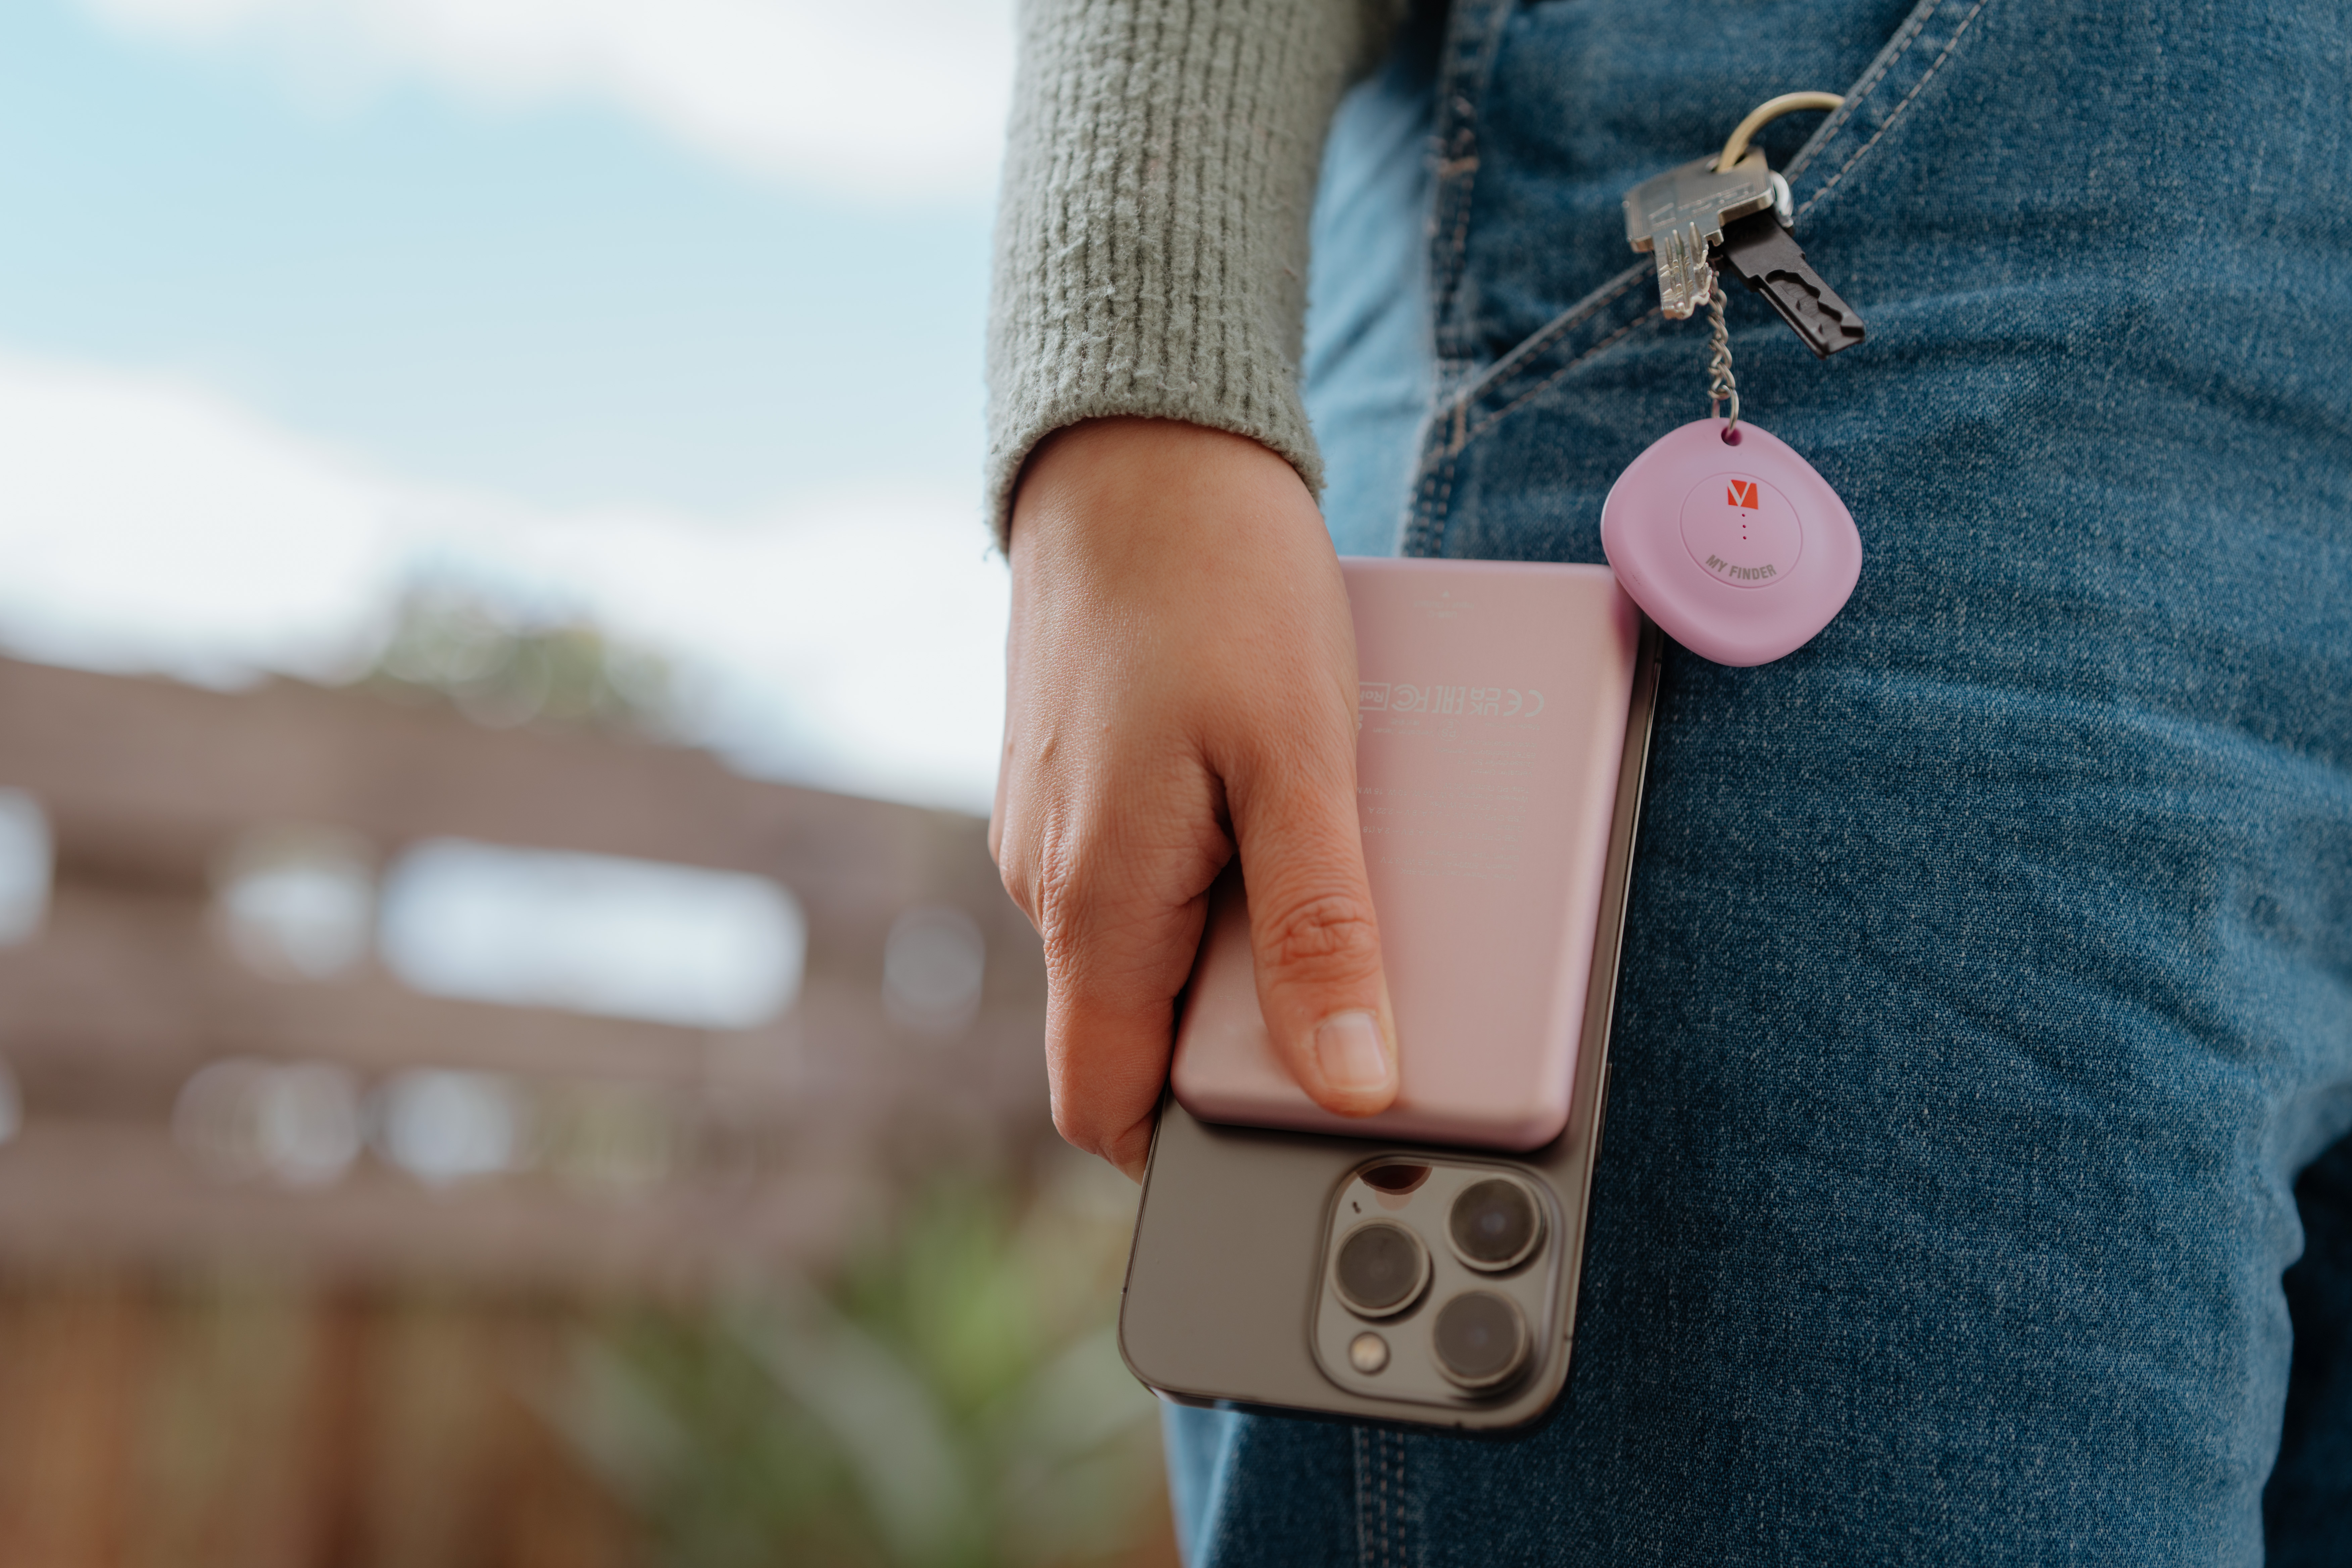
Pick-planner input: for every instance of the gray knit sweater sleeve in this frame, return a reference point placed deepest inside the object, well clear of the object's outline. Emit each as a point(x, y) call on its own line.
point(1151, 243)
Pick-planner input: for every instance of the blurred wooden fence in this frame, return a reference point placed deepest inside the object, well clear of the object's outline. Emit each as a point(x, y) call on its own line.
point(199, 1368)
point(129, 989)
point(253, 1426)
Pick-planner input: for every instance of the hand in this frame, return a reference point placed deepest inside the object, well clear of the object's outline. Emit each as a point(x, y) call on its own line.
point(1180, 679)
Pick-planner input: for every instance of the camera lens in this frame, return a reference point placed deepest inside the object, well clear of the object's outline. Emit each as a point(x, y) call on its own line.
point(1396, 1177)
point(1380, 1269)
point(1495, 1223)
point(1480, 1339)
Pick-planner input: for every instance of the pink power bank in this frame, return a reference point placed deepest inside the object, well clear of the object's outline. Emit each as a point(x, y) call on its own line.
point(1491, 722)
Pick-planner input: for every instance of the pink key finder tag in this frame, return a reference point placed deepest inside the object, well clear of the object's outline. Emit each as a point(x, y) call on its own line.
point(1738, 550)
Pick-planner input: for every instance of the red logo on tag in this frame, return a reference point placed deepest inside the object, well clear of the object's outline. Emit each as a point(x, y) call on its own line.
point(1743, 493)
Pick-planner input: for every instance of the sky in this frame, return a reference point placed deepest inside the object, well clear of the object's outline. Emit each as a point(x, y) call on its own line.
point(665, 311)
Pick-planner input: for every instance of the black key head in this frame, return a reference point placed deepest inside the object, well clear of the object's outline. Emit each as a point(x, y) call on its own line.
point(1768, 260)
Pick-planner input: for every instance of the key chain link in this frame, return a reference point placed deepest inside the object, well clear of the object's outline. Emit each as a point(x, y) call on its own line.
point(1720, 382)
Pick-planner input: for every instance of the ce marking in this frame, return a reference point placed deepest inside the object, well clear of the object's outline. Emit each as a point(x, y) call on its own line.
point(1532, 695)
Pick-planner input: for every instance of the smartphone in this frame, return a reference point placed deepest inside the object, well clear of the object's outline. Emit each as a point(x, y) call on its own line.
point(1383, 1273)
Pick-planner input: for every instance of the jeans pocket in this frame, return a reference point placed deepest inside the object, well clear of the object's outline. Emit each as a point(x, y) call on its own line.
point(1887, 105)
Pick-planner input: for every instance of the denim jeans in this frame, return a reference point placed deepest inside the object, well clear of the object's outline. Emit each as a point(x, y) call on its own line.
point(1987, 985)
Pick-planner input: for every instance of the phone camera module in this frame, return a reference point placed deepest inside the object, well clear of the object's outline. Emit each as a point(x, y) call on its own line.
point(1380, 1269)
point(1480, 1339)
point(1495, 1225)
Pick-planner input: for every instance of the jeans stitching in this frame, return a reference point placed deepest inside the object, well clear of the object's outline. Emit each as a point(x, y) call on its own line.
point(1470, 56)
point(1546, 383)
point(1434, 489)
point(1912, 25)
point(1417, 524)
point(1543, 337)
point(1434, 494)
point(1388, 1441)
point(1403, 1546)
point(1367, 1478)
point(1435, 541)
point(1900, 45)
point(1576, 315)
point(1457, 168)
point(1901, 109)
point(1459, 244)
point(1436, 486)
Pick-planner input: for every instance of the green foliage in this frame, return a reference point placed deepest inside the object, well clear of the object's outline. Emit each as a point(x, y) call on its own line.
point(502, 667)
point(954, 1398)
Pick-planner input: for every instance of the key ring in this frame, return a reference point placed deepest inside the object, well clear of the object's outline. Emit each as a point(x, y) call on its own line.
point(1721, 385)
point(1735, 147)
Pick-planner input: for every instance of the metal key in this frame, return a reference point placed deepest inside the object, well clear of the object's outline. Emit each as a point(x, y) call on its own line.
point(1766, 259)
point(1681, 212)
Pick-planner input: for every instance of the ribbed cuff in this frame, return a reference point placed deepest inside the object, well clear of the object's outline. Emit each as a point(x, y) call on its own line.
point(1151, 243)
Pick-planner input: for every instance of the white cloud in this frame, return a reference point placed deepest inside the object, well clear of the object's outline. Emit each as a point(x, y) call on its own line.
point(892, 103)
point(147, 525)
point(852, 639)
point(862, 633)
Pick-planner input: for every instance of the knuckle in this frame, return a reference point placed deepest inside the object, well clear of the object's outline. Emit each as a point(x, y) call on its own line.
point(1046, 877)
point(1332, 936)
point(1060, 895)
point(1019, 886)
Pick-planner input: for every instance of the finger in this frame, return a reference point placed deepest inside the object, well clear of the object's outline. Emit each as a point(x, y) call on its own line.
point(1113, 977)
point(1313, 933)
point(1119, 899)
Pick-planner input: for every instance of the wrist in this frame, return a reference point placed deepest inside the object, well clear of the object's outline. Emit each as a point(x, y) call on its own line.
point(1146, 483)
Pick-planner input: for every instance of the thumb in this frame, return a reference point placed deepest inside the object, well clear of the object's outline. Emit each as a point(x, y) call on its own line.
point(1314, 935)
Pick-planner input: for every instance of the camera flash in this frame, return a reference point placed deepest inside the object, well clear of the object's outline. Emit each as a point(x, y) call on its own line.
point(1368, 1353)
